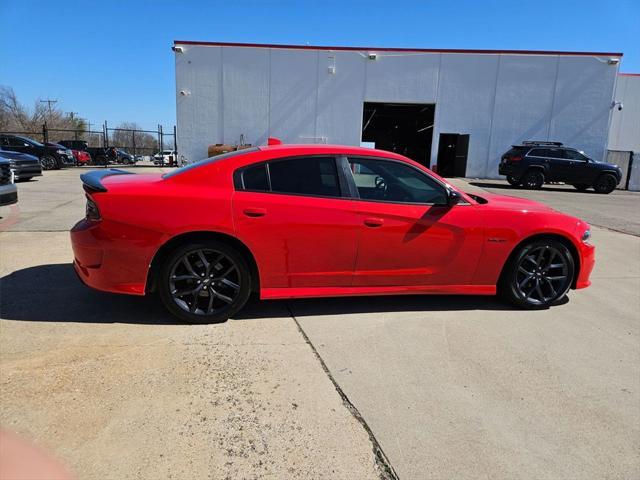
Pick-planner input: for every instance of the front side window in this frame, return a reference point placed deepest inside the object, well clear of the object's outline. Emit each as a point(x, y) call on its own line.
point(316, 176)
point(389, 181)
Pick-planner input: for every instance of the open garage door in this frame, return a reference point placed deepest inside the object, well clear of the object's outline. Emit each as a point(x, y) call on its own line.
point(403, 128)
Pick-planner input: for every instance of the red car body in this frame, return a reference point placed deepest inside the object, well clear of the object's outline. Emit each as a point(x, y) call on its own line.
point(82, 157)
point(306, 246)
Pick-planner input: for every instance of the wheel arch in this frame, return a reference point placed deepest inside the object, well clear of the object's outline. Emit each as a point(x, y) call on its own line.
point(565, 240)
point(195, 236)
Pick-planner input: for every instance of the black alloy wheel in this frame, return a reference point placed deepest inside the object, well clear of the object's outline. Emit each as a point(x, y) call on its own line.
point(605, 183)
point(539, 275)
point(48, 162)
point(205, 283)
point(533, 180)
point(512, 180)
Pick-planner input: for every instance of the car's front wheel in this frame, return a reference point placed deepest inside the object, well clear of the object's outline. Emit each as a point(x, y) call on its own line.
point(605, 183)
point(204, 282)
point(48, 162)
point(538, 275)
point(513, 180)
point(533, 179)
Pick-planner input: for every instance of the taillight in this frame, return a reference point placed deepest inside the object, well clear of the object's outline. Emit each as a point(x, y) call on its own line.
point(91, 211)
point(515, 159)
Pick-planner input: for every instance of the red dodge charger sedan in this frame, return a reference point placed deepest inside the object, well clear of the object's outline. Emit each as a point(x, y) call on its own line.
point(292, 221)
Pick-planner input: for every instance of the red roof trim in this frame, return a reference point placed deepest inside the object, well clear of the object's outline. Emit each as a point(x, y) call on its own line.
point(374, 49)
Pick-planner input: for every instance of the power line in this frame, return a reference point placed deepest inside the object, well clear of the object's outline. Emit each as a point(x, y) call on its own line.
point(49, 101)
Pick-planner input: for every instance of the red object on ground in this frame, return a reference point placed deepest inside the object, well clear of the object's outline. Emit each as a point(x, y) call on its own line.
point(313, 245)
point(82, 157)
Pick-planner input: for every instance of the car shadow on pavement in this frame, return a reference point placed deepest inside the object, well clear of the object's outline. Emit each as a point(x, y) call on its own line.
point(53, 293)
point(545, 188)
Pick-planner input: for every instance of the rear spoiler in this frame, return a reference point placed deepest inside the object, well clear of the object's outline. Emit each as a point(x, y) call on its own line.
point(92, 181)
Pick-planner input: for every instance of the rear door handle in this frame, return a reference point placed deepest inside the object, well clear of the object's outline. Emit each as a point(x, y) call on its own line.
point(255, 212)
point(373, 222)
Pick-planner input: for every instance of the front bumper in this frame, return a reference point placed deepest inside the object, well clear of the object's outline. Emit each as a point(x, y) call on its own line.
point(587, 262)
point(27, 171)
point(8, 194)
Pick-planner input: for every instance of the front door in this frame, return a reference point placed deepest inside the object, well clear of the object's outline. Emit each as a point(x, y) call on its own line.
point(293, 216)
point(409, 236)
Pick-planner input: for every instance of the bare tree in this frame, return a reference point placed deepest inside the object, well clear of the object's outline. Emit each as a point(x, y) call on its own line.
point(128, 136)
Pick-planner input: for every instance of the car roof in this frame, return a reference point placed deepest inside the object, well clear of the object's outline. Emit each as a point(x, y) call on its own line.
point(314, 148)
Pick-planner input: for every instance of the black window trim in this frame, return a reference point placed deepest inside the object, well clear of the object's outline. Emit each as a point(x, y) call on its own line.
point(238, 181)
point(385, 159)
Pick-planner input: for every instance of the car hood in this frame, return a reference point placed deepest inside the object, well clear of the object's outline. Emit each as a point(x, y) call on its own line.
point(17, 156)
point(507, 202)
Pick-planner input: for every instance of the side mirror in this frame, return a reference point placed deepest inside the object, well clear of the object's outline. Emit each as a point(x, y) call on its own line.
point(454, 198)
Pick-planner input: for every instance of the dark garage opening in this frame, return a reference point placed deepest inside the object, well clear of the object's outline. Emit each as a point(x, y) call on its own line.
point(452, 155)
point(403, 128)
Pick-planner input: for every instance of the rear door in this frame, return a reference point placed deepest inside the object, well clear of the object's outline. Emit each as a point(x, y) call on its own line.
point(298, 221)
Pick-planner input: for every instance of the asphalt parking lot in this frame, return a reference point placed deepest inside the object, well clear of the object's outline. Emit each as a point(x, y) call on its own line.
point(448, 387)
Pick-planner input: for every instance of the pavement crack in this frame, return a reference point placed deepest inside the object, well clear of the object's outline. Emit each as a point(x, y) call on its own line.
point(387, 472)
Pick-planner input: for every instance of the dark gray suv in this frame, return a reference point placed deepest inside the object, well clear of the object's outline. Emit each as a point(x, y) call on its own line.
point(532, 164)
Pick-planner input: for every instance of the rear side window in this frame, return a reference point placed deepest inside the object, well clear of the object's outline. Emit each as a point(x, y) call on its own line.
point(515, 152)
point(305, 176)
point(538, 152)
point(255, 178)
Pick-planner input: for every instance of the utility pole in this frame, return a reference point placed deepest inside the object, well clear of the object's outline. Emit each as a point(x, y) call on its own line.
point(71, 114)
point(49, 101)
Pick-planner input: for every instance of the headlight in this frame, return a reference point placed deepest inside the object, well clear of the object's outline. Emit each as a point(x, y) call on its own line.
point(586, 236)
point(61, 152)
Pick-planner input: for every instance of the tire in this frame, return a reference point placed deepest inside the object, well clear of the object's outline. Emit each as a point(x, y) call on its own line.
point(206, 298)
point(581, 187)
point(48, 162)
point(605, 183)
point(513, 181)
point(538, 274)
point(533, 180)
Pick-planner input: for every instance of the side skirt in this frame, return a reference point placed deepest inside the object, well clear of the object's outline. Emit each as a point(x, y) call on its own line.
point(310, 292)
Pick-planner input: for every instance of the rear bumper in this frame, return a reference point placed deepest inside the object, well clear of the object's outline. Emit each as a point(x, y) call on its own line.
point(508, 169)
point(106, 261)
point(587, 262)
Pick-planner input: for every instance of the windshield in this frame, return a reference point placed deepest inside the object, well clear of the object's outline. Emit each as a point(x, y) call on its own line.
point(207, 161)
point(32, 142)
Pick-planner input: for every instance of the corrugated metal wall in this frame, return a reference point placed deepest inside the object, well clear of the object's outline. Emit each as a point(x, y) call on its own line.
point(498, 99)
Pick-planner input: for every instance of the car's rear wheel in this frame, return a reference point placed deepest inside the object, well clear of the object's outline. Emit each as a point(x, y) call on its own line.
point(513, 180)
point(204, 282)
point(605, 183)
point(581, 187)
point(538, 275)
point(533, 179)
point(48, 162)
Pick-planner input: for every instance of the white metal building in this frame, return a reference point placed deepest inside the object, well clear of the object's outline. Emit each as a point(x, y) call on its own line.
point(460, 109)
point(624, 135)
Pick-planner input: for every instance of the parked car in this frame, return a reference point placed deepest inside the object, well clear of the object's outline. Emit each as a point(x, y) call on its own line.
point(532, 164)
point(8, 190)
point(51, 155)
point(82, 157)
point(125, 158)
point(99, 155)
point(165, 157)
point(293, 221)
point(23, 166)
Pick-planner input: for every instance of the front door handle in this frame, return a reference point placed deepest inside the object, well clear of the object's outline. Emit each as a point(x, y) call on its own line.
point(255, 212)
point(373, 222)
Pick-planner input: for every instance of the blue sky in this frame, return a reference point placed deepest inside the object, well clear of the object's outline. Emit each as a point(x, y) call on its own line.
point(112, 60)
